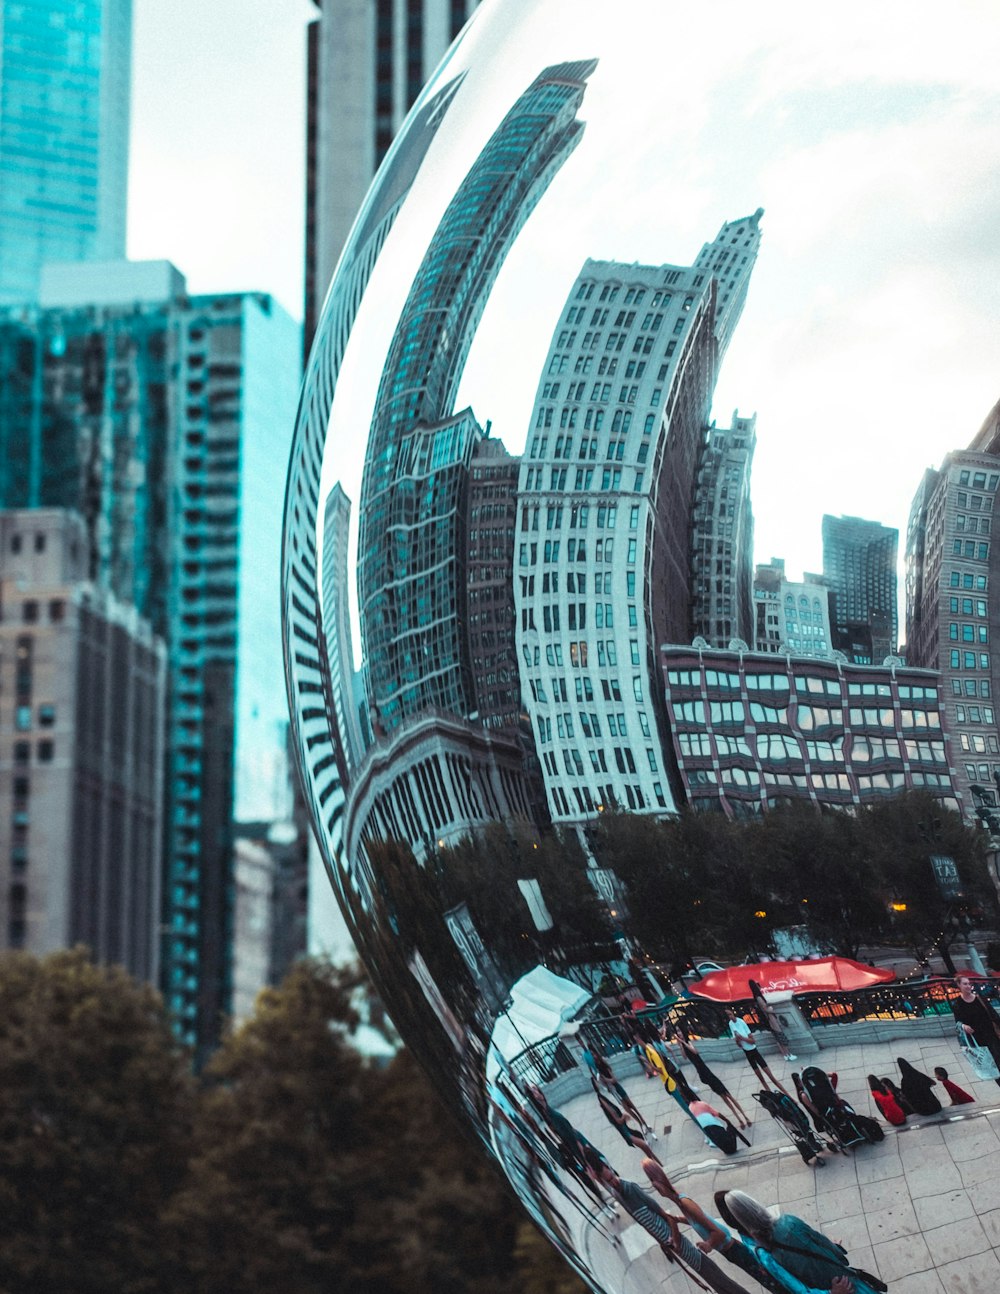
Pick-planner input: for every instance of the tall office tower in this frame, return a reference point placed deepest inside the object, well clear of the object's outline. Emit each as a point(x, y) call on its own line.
point(413, 660)
point(791, 615)
point(859, 562)
point(367, 61)
point(722, 535)
point(605, 502)
point(318, 746)
point(489, 617)
point(65, 79)
point(952, 616)
point(82, 696)
point(160, 418)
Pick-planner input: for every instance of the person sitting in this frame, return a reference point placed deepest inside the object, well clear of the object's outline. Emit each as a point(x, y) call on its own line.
point(888, 1106)
point(916, 1087)
point(959, 1096)
point(716, 1127)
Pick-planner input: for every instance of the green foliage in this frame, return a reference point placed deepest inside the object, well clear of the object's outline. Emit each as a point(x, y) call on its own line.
point(95, 1114)
point(293, 1164)
point(696, 883)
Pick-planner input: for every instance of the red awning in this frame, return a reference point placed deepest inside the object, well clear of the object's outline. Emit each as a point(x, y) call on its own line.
point(824, 974)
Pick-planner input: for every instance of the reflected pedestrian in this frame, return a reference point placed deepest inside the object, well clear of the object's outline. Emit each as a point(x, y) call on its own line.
point(916, 1087)
point(888, 1106)
point(711, 1080)
point(605, 1075)
point(665, 1231)
point(977, 1019)
point(770, 1019)
point(786, 1246)
point(628, 1134)
point(739, 1031)
point(959, 1096)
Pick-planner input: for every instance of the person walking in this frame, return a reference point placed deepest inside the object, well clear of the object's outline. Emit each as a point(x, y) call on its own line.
point(739, 1031)
point(602, 1072)
point(711, 1080)
point(665, 1231)
point(714, 1235)
point(617, 1119)
point(977, 1019)
point(788, 1247)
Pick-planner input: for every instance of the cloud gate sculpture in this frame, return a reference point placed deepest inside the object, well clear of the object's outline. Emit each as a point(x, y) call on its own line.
point(559, 737)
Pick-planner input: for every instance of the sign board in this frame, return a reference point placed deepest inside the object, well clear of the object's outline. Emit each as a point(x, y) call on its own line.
point(946, 875)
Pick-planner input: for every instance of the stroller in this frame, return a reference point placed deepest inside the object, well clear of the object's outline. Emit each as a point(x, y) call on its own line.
point(795, 1123)
point(838, 1117)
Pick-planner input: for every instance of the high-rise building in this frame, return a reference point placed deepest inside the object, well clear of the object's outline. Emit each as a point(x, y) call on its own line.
point(859, 563)
point(346, 718)
point(606, 498)
point(160, 417)
point(722, 535)
point(65, 83)
point(952, 616)
point(412, 643)
point(792, 615)
point(82, 697)
point(367, 62)
point(490, 615)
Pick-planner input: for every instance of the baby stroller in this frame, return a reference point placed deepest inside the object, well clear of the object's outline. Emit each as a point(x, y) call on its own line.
point(792, 1118)
point(837, 1116)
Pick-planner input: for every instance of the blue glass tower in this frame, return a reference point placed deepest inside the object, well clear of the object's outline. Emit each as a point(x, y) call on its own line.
point(65, 71)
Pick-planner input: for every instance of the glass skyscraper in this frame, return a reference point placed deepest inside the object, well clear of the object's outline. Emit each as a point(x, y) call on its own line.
point(65, 71)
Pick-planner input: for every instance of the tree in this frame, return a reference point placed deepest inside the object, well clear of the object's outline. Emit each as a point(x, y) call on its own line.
point(95, 1120)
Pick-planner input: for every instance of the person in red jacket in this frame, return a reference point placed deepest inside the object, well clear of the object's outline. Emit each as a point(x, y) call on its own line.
point(888, 1106)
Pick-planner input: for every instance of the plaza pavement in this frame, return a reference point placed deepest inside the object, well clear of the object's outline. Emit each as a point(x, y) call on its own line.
point(920, 1209)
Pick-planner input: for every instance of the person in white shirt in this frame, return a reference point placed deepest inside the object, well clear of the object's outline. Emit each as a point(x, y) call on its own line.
point(739, 1030)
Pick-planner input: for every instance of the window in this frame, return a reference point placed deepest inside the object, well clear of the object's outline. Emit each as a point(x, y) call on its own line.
point(46, 750)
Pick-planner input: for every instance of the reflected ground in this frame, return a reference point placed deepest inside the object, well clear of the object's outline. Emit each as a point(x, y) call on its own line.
point(518, 600)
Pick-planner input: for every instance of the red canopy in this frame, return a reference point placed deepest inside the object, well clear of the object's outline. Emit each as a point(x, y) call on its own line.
point(826, 973)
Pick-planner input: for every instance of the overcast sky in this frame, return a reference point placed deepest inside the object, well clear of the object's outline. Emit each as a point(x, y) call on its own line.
point(871, 339)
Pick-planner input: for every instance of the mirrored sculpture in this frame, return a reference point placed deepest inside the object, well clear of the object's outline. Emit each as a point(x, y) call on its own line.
point(564, 734)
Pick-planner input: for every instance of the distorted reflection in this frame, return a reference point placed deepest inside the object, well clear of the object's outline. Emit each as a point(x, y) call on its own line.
point(564, 743)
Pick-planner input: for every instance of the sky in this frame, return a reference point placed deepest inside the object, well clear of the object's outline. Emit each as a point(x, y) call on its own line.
point(870, 343)
point(217, 164)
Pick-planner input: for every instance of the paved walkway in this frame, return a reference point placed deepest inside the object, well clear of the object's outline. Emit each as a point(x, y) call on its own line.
point(921, 1209)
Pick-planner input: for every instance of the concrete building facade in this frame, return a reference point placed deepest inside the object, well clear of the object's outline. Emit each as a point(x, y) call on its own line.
point(722, 535)
point(82, 704)
point(791, 615)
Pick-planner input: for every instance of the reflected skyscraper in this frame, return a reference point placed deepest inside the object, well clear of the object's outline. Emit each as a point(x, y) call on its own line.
point(722, 535)
point(366, 64)
point(605, 510)
point(65, 79)
point(951, 613)
point(410, 667)
point(859, 563)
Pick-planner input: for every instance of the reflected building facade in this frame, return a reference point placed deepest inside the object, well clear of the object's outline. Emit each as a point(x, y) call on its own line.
point(722, 535)
point(366, 65)
point(952, 618)
point(859, 564)
point(791, 615)
point(418, 387)
point(752, 730)
point(606, 506)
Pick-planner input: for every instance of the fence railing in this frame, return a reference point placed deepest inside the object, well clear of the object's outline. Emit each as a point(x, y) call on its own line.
point(613, 1034)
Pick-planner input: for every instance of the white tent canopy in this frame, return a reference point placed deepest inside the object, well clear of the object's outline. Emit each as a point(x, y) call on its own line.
point(541, 1002)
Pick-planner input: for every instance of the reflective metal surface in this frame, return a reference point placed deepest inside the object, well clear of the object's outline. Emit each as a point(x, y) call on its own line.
point(596, 233)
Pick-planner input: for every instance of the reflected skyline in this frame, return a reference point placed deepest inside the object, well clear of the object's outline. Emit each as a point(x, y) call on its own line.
point(563, 736)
